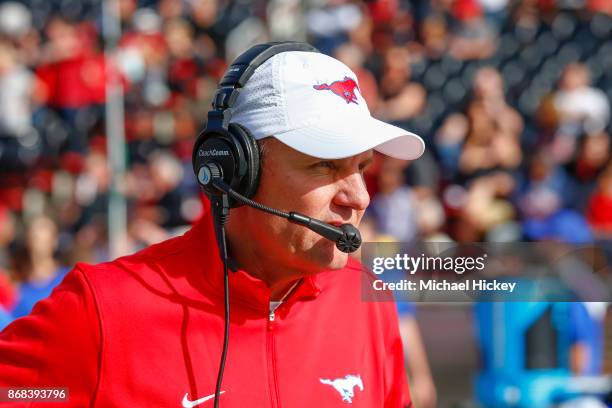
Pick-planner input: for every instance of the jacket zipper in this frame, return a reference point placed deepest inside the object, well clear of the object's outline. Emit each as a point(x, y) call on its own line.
point(274, 398)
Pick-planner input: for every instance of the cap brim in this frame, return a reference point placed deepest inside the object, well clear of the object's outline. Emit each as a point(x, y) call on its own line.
point(329, 139)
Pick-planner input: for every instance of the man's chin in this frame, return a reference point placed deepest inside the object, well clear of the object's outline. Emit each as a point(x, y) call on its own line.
point(340, 260)
point(325, 256)
point(337, 261)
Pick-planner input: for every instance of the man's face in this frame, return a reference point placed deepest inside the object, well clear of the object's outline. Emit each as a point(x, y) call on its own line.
point(329, 190)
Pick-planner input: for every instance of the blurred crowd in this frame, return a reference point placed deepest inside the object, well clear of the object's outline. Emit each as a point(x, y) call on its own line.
point(512, 98)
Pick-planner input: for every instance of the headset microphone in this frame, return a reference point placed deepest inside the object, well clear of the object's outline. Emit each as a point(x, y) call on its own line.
point(346, 236)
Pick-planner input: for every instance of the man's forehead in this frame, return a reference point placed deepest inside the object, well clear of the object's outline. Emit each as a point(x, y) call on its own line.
point(368, 154)
point(271, 145)
point(363, 156)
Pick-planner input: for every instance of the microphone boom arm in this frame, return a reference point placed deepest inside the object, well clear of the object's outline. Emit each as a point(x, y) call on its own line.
point(346, 237)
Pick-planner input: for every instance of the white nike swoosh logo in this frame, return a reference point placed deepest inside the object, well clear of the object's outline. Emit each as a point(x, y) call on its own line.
point(191, 404)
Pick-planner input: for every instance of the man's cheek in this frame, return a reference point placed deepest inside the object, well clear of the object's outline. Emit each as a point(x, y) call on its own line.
point(360, 215)
point(305, 239)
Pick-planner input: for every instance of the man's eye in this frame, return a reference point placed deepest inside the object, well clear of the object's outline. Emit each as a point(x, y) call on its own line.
point(364, 166)
point(326, 164)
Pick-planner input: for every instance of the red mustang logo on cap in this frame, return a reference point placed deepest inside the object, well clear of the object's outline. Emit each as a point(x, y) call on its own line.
point(344, 89)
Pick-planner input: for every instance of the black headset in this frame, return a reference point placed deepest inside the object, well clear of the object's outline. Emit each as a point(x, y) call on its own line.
point(230, 145)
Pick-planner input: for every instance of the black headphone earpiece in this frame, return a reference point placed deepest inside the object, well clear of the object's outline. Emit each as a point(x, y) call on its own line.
point(231, 146)
point(236, 152)
point(250, 181)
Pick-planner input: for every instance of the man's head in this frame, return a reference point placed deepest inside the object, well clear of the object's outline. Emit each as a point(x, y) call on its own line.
point(575, 76)
point(331, 190)
point(306, 111)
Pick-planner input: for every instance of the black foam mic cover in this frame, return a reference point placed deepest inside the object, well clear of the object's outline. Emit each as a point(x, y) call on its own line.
point(350, 240)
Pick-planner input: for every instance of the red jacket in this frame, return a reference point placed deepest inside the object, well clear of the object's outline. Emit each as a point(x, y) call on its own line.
point(146, 330)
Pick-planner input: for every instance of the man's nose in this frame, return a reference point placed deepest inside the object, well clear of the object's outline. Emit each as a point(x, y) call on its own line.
point(352, 193)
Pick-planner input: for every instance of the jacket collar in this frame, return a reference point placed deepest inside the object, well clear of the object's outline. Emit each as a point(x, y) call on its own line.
point(244, 288)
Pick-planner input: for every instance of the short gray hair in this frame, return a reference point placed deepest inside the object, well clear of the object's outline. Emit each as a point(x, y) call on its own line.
point(263, 148)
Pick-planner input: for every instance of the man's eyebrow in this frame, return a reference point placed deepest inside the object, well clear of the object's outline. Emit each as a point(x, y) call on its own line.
point(367, 161)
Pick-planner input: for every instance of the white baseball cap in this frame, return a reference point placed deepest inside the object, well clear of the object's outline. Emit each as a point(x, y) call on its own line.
point(312, 103)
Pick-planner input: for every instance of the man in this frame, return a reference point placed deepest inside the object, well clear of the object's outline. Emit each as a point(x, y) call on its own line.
point(147, 329)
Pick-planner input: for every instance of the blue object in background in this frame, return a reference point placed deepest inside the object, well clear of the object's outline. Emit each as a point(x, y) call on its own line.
point(29, 293)
point(589, 332)
point(525, 354)
point(5, 318)
point(565, 226)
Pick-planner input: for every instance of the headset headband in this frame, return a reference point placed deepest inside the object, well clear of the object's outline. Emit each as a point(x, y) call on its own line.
point(240, 159)
point(242, 69)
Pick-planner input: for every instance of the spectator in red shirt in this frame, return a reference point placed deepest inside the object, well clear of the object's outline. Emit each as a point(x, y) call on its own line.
point(7, 234)
point(599, 212)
